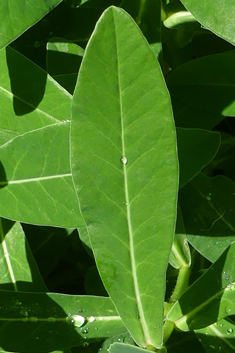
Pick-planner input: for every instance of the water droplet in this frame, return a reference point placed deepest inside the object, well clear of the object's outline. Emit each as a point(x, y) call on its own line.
point(230, 330)
point(124, 160)
point(119, 339)
point(33, 319)
point(80, 311)
point(51, 319)
point(37, 338)
point(24, 313)
point(85, 344)
point(208, 198)
point(85, 330)
point(91, 319)
point(18, 303)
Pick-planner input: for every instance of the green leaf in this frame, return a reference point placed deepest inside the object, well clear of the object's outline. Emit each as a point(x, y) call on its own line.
point(209, 214)
point(147, 15)
point(125, 348)
point(196, 148)
point(18, 270)
point(207, 83)
point(37, 186)
point(125, 170)
point(35, 177)
point(18, 15)
point(214, 15)
point(54, 321)
point(218, 337)
point(34, 106)
point(123, 338)
point(210, 298)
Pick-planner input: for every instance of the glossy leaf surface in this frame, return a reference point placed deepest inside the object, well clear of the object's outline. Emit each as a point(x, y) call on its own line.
point(207, 83)
point(215, 15)
point(124, 166)
point(210, 298)
point(18, 15)
point(53, 321)
point(208, 210)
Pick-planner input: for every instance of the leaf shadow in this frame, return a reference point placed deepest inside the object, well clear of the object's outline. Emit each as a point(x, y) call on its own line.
point(28, 82)
point(3, 177)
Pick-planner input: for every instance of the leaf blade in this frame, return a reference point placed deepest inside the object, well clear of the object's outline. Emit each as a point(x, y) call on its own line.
point(107, 131)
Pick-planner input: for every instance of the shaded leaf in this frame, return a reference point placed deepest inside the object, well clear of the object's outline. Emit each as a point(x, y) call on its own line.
point(196, 148)
point(210, 298)
point(18, 15)
point(129, 182)
point(218, 337)
point(53, 321)
point(207, 83)
point(208, 208)
point(18, 269)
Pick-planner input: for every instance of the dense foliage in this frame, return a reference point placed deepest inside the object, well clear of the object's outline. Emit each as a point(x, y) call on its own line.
point(117, 176)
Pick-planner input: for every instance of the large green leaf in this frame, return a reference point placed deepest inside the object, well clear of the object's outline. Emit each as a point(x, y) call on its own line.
point(210, 298)
point(208, 210)
point(18, 269)
point(215, 15)
point(40, 322)
point(207, 83)
point(125, 170)
point(18, 15)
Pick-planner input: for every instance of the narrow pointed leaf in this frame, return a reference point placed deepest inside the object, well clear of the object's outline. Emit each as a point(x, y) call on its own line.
point(124, 167)
point(18, 270)
point(210, 298)
point(40, 322)
point(215, 15)
point(18, 15)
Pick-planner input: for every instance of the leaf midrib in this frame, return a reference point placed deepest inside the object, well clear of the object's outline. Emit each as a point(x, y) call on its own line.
point(128, 208)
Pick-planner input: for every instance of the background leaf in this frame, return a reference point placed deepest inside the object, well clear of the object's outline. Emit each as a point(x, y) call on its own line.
point(19, 15)
point(129, 183)
point(196, 148)
point(18, 270)
point(40, 322)
point(207, 206)
point(210, 298)
point(207, 83)
point(214, 15)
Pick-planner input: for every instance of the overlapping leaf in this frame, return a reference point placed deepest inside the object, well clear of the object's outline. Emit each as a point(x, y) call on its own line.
point(18, 15)
point(124, 167)
point(215, 15)
point(36, 183)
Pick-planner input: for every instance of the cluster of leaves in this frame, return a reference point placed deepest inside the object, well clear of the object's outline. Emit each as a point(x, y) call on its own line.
point(98, 252)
